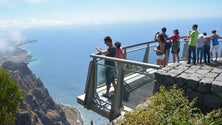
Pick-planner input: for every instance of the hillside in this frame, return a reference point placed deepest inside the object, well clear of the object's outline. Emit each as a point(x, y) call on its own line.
point(38, 106)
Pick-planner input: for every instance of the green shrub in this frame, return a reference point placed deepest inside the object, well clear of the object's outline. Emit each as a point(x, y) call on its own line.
point(10, 97)
point(170, 107)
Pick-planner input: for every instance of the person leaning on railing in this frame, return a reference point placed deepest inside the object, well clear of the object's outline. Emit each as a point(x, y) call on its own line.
point(109, 70)
point(167, 44)
point(206, 40)
point(200, 48)
point(215, 44)
point(175, 45)
point(192, 44)
point(160, 60)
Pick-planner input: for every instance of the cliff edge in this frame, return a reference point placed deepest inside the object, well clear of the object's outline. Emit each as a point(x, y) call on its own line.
point(38, 107)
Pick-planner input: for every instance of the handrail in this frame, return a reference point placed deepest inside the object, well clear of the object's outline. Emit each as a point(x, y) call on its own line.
point(126, 61)
point(139, 44)
point(114, 106)
point(141, 48)
point(144, 43)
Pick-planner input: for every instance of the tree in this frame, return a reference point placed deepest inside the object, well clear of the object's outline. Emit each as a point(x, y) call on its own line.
point(10, 98)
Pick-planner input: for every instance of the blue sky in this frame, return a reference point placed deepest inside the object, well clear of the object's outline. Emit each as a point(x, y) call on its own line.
point(68, 12)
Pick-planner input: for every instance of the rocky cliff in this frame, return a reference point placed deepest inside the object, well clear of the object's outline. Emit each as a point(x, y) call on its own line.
point(38, 107)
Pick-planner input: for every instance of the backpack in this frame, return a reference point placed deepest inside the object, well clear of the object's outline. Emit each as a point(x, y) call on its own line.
point(176, 46)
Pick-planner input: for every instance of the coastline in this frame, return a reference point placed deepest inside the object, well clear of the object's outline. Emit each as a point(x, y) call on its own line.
point(20, 55)
point(17, 54)
point(72, 114)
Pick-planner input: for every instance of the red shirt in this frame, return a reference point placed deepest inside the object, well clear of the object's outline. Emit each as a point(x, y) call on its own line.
point(174, 38)
point(119, 53)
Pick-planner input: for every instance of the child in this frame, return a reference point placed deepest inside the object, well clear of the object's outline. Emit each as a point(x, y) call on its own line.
point(119, 54)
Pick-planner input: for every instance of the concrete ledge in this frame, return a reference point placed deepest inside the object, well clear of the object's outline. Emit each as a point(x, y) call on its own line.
point(198, 81)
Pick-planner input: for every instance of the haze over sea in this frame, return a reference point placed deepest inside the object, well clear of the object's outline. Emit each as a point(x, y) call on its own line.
point(62, 53)
point(67, 32)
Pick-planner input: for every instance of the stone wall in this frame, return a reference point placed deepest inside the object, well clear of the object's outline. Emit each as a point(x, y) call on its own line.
point(201, 82)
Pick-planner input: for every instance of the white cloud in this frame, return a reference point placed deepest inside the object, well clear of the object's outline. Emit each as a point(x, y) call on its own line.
point(49, 22)
point(11, 31)
point(9, 23)
point(10, 35)
point(9, 39)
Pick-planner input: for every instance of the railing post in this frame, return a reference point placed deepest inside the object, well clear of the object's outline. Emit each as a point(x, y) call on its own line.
point(185, 51)
point(220, 54)
point(90, 84)
point(125, 54)
point(146, 55)
point(118, 95)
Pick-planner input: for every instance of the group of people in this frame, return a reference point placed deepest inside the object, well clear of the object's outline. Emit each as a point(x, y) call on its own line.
point(112, 51)
point(165, 43)
point(198, 46)
point(199, 43)
point(204, 49)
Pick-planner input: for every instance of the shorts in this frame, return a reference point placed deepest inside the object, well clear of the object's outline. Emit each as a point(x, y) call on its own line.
point(109, 74)
point(160, 56)
point(175, 51)
point(214, 48)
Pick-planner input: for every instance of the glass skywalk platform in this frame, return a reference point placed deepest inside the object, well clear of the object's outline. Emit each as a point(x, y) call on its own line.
point(135, 82)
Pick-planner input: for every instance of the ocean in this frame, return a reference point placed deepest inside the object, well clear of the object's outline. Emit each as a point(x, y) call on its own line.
point(61, 54)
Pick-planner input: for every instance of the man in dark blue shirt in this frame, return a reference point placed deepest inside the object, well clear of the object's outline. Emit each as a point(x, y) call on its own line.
point(109, 65)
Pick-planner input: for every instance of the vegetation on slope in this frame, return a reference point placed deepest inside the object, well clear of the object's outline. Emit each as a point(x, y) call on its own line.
point(10, 98)
point(170, 107)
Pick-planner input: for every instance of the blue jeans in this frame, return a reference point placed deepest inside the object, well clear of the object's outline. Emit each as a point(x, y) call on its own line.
point(109, 73)
point(200, 51)
point(191, 49)
point(207, 54)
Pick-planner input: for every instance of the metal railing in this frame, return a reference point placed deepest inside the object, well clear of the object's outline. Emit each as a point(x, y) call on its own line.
point(111, 109)
point(135, 74)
